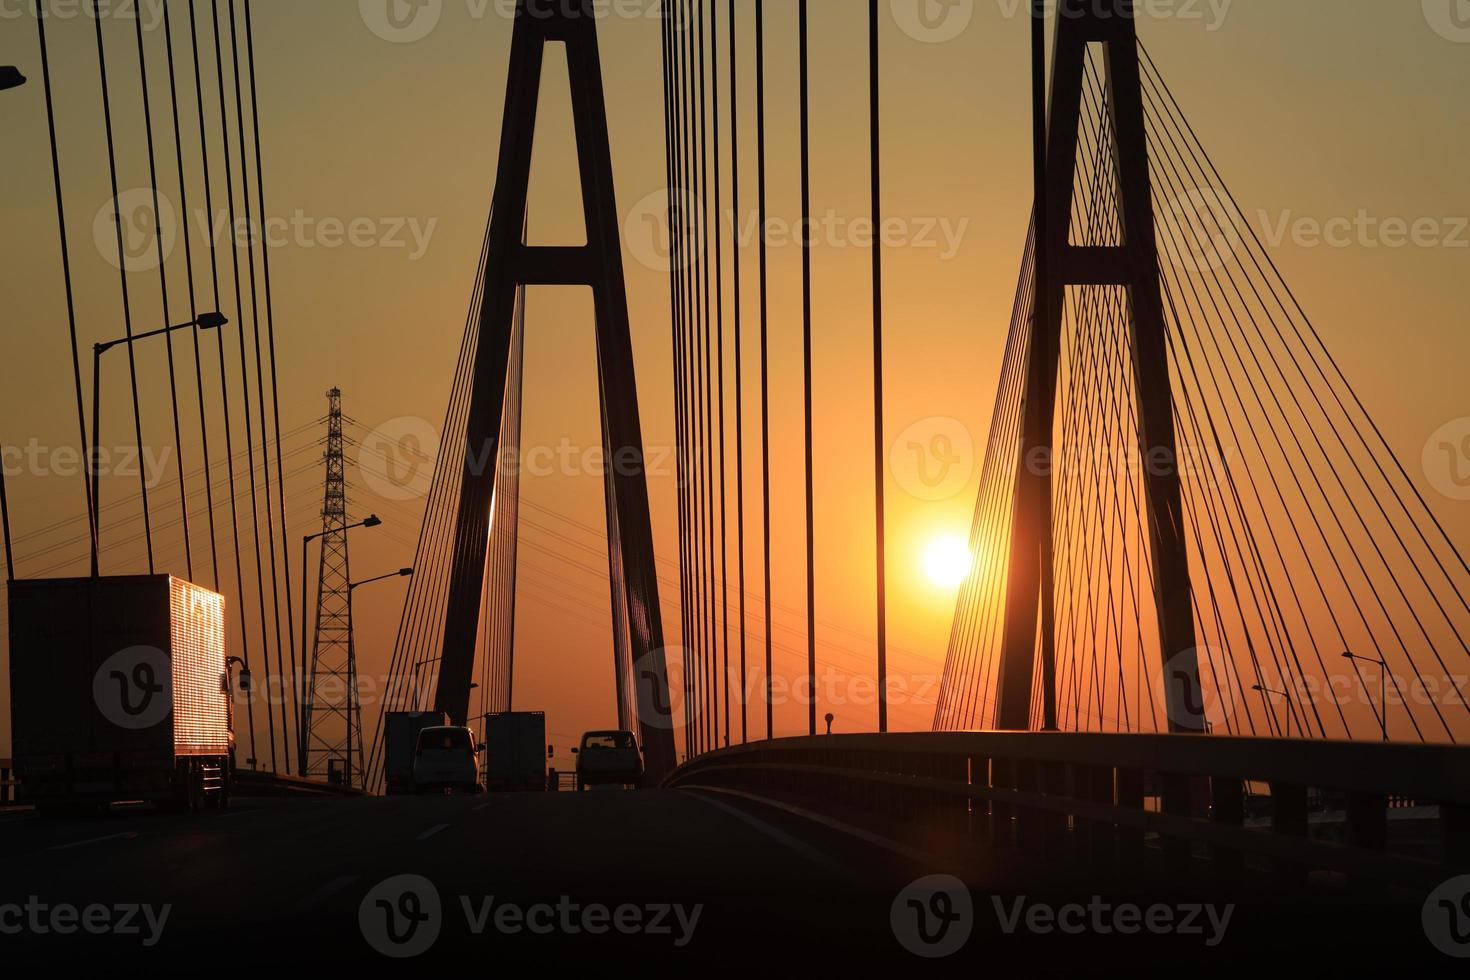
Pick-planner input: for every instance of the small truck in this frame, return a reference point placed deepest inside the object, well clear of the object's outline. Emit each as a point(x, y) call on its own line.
point(120, 690)
point(515, 751)
point(609, 758)
point(400, 740)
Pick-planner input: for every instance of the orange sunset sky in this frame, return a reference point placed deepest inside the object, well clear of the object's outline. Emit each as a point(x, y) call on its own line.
point(1314, 110)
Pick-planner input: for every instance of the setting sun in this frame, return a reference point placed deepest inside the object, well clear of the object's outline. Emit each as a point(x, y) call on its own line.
point(947, 560)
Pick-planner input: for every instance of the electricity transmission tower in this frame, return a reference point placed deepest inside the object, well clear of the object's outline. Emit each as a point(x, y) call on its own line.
point(331, 744)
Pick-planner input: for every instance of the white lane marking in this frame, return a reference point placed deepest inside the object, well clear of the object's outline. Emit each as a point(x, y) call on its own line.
point(325, 892)
point(878, 840)
point(433, 830)
point(93, 840)
point(780, 836)
point(236, 812)
point(483, 806)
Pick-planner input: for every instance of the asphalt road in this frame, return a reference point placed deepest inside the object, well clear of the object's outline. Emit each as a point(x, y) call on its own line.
point(516, 876)
point(648, 881)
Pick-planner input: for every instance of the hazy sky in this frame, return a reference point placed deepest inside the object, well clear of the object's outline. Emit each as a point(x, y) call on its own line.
point(1315, 110)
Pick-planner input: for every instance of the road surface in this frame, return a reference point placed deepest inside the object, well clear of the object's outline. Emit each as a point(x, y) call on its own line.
point(625, 880)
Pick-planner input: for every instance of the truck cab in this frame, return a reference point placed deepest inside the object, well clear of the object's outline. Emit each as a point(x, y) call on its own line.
point(444, 761)
point(608, 758)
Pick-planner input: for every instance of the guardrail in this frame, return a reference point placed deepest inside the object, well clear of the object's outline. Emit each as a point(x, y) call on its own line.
point(1099, 800)
point(249, 782)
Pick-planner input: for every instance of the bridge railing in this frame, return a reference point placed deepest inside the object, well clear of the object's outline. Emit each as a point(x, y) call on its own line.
point(1108, 800)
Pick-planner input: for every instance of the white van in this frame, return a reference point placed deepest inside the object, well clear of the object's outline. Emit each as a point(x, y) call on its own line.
point(444, 761)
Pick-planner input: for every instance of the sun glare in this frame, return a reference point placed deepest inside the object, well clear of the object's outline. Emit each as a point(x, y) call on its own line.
point(947, 560)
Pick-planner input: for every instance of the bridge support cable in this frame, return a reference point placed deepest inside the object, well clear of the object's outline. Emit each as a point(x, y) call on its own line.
point(168, 337)
point(67, 284)
point(250, 204)
point(691, 253)
point(270, 323)
point(194, 311)
point(880, 470)
point(673, 153)
point(127, 308)
point(804, 72)
point(238, 320)
point(704, 460)
point(719, 296)
point(1384, 551)
point(764, 258)
point(737, 284)
point(224, 386)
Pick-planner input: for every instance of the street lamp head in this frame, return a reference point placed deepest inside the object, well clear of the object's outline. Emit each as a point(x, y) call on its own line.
point(10, 77)
point(211, 321)
point(405, 572)
point(372, 520)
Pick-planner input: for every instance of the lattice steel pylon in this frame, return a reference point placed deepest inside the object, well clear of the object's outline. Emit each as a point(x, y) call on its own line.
point(331, 724)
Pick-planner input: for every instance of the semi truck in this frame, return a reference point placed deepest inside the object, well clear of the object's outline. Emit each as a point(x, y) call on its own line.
point(400, 739)
point(120, 690)
point(515, 751)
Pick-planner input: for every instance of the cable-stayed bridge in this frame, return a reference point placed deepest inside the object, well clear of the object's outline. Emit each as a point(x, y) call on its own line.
point(1211, 644)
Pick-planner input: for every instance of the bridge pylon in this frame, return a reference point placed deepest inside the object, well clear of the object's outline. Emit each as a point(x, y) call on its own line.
point(1132, 264)
point(510, 265)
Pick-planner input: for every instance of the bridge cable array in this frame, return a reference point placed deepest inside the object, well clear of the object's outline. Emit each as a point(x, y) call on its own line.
point(694, 153)
point(151, 221)
point(1311, 550)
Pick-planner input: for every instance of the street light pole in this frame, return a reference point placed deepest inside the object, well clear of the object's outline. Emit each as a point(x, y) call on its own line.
point(352, 708)
point(299, 668)
point(1382, 712)
point(1280, 694)
point(205, 321)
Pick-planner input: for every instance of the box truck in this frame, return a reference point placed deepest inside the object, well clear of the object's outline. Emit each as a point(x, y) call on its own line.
point(400, 738)
point(515, 751)
point(119, 690)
